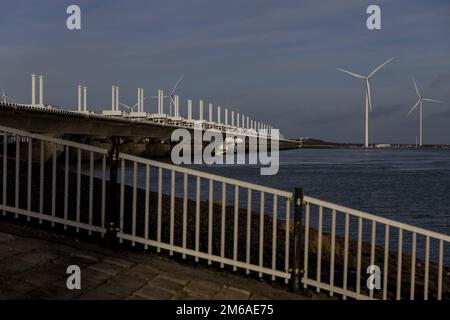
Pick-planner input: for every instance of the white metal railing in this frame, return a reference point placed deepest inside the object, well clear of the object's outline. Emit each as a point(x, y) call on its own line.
point(36, 187)
point(405, 282)
point(246, 246)
point(220, 220)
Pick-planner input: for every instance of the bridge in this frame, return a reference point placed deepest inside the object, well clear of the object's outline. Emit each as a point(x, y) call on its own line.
point(97, 128)
point(138, 132)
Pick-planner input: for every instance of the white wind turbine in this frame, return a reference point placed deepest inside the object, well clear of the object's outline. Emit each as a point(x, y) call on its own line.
point(171, 96)
point(128, 107)
point(420, 104)
point(5, 99)
point(368, 95)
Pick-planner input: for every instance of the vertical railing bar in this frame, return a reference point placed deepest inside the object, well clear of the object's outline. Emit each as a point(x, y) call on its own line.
point(413, 266)
point(197, 218)
point(210, 218)
point(17, 176)
point(103, 212)
point(306, 249)
point(274, 234)
point(30, 172)
point(261, 232)
point(147, 204)
point(222, 232)
point(66, 185)
point(319, 248)
point(5, 168)
point(134, 204)
point(440, 268)
point(185, 196)
point(78, 186)
point(158, 231)
point(287, 232)
point(332, 251)
point(358, 256)
point(41, 180)
point(372, 250)
point(427, 267)
point(399, 264)
point(91, 189)
point(386, 261)
point(235, 226)
point(172, 209)
point(249, 230)
point(54, 184)
point(347, 222)
point(122, 195)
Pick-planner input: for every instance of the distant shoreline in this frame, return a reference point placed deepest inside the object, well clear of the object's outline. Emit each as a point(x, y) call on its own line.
point(311, 143)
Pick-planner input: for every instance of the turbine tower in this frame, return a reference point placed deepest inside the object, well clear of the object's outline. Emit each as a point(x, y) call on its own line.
point(368, 95)
point(420, 104)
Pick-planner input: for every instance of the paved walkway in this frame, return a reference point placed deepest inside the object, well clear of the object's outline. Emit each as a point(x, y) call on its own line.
point(33, 265)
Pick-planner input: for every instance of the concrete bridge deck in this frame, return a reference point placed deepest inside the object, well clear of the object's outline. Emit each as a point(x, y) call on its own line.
point(58, 122)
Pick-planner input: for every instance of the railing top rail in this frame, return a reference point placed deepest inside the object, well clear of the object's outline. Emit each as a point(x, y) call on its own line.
point(53, 140)
point(377, 219)
point(205, 175)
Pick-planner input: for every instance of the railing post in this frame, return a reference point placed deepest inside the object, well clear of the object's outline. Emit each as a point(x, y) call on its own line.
point(112, 215)
point(297, 265)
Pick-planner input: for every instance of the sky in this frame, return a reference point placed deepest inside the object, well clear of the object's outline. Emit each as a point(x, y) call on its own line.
point(272, 60)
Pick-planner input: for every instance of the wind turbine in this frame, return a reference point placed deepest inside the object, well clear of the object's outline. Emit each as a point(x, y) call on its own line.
point(171, 96)
point(368, 95)
point(420, 104)
point(128, 107)
point(5, 99)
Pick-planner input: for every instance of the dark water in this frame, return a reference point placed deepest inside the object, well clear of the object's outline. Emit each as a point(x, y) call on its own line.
point(411, 186)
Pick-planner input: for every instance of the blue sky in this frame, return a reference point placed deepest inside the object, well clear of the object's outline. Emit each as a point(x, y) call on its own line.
point(273, 60)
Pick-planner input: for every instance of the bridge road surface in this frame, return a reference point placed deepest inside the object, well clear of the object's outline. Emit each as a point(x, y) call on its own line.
point(33, 265)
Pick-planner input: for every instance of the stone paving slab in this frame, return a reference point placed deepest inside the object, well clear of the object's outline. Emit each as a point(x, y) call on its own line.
point(33, 266)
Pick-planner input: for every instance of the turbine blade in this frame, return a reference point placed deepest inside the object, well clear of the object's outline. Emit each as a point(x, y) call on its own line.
point(432, 100)
point(412, 109)
point(379, 67)
point(369, 94)
point(123, 104)
point(417, 89)
point(176, 85)
point(351, 73)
